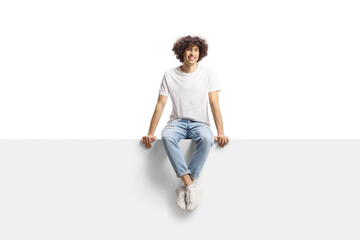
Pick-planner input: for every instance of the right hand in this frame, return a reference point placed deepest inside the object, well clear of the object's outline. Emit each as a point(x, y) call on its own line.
point(146, 140)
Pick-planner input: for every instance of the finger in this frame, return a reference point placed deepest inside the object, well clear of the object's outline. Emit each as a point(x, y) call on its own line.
point(147, 142)
point(216, 139)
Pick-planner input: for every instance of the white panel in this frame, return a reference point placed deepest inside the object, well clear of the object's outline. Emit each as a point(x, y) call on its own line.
point(116, 189)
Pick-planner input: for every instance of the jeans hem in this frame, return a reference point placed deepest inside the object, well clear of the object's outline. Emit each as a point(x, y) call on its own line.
point(182, 174)
point(194, 177)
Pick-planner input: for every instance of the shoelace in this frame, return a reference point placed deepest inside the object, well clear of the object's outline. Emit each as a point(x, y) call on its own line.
point(188, 197)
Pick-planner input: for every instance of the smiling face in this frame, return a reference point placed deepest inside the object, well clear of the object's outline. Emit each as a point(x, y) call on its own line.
point(191, 55)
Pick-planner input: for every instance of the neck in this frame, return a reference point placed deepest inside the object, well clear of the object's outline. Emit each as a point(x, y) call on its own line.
point(189, 68)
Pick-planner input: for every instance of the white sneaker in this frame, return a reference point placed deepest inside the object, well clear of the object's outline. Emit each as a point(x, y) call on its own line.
point(180, 197)
point(192, 197)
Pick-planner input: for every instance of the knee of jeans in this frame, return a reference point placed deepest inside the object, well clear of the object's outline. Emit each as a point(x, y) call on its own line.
point(207, 139)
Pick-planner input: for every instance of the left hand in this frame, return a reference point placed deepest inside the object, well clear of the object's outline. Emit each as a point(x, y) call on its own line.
point(222, 140)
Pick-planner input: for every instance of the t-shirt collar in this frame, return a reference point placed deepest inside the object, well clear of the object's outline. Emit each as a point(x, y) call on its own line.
point(188, 74)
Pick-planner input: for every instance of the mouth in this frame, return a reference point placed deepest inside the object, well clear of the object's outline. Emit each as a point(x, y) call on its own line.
point(191, 58)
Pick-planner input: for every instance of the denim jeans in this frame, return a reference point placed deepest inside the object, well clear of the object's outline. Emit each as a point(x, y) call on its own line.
point(187, 129)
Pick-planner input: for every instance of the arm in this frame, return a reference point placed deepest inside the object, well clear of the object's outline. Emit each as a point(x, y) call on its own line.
point(215, 109)
point(159, 108)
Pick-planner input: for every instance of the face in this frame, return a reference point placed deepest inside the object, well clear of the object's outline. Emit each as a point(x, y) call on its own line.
point(191, 55)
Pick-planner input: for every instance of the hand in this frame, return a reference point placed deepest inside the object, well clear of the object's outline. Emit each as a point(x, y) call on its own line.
point(146, 140)
point(222, 140)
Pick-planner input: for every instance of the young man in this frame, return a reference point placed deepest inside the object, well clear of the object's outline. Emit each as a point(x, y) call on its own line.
point(191, 88)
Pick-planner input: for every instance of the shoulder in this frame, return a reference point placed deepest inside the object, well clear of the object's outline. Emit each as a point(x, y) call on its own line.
point(207, 71)
point(172, 70)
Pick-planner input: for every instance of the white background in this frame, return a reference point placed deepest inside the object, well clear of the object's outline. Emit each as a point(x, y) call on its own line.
point(92, 69)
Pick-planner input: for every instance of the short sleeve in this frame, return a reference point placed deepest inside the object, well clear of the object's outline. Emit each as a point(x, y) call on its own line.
point(164, 90)
point(214, 84)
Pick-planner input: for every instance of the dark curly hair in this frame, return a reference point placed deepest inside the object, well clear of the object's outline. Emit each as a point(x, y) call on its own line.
point(182, 43)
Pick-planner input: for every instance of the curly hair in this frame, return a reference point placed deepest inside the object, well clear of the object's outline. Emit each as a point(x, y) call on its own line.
point(184, 42)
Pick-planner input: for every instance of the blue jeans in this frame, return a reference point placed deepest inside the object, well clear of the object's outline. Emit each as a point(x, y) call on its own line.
point(187, 129)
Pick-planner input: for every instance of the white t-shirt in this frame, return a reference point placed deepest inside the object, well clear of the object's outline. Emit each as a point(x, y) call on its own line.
point(189, 93)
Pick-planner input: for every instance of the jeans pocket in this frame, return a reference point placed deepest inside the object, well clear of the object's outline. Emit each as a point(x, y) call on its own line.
point(169, 126)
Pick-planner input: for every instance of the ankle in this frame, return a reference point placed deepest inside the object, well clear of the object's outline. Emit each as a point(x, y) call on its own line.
point(187, 180)
point(188, 184)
